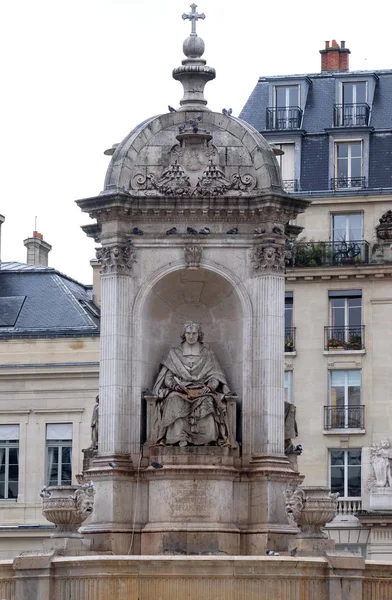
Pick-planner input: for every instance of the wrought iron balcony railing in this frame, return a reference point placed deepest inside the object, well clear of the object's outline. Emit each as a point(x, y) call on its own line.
point(344, 338)
point(289, 339)
point(347, 183)
point(290, 185)
point(351, 115)
point(327, 254)
point(344, 417)
point(285, 117)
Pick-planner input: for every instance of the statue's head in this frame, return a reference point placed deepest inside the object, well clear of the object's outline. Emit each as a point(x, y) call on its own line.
point(192, 333)
point(84, 499)
point(384, 444)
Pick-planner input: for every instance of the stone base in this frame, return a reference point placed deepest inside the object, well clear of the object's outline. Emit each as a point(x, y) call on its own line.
point(68, 546)
point(380, 498)
point(311, 546)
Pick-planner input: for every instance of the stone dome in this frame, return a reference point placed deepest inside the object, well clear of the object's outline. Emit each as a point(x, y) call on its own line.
point(175, 153)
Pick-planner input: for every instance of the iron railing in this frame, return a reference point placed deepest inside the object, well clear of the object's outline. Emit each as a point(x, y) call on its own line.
point(348, 183)
point(289, 339)
point(344, 338)
point(327, 254)
point(344, 417)
point(290, 185)
point(284, 117)
point(351, 115)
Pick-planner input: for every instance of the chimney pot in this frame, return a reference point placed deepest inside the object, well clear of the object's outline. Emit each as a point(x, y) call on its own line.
point(335, 57)
point(37, 250)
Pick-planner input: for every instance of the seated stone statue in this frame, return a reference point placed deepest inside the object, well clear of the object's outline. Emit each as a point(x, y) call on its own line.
point(191, 390)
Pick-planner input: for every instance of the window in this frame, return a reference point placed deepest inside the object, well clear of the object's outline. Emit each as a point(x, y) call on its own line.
point(289, 330)
point(348, 165)
point(344, 410)
point(288, 386)
point(347, 227)
point(59, 454)
point(285, 113)
point(9, 462)
point(345, 317)
point(353, 110)
point(286, 164)
point(345, 472)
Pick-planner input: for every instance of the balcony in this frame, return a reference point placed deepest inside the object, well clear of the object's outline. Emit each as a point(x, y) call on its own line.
point(351, 115)
point(290, 185)
point(348, 183)
point(344, 417)
point(348, 506)
point(284, 118)
point(327, 254)
point(289, 339)
point(344, 338)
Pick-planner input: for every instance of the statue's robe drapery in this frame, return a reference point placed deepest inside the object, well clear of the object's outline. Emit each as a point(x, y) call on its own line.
point(197, 420)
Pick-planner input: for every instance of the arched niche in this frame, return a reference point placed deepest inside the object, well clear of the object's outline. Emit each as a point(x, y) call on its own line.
point(199, 295)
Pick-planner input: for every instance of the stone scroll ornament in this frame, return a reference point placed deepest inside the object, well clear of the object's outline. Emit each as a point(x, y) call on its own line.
point(116, 259)
point(67, 506)
point(381, 461)
point(213, 182)
point(267, 258)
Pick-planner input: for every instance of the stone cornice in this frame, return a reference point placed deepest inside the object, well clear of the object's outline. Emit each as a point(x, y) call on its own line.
point(122, 205)
point(353, 273)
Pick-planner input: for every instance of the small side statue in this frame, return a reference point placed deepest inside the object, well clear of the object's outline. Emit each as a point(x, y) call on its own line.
point(290, 430)
point(381, 461)
point(94, 425)
point(191, 390)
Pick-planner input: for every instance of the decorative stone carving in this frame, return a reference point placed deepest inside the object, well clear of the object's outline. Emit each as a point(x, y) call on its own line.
point(267, 258)
point(381, 461)
point(94, 425)
point(191, 392)
point(173, 181)
point(384, 229)
point(67, 506)
point(116, 259)
point(311, 508)
point(193, 256)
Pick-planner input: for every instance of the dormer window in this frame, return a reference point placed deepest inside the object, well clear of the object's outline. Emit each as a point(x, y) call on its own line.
point(353, 111)
point(286, 113)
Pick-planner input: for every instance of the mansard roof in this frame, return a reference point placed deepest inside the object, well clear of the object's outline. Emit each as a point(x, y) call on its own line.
point(39, 302)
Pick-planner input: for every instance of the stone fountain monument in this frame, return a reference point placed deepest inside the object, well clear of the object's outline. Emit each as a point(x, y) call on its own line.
point(189, 457)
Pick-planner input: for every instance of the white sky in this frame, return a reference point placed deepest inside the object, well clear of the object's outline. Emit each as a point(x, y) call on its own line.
point(78, 75)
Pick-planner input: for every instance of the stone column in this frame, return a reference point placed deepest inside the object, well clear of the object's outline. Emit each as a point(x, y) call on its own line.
point(115, 361)
point(266, 414)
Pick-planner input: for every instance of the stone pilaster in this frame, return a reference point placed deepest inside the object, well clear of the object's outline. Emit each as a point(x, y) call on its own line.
point(266, 415)
point(115, 366)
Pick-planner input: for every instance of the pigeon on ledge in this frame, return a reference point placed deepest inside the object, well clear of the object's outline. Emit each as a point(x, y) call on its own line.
point(233, 231)
point(171, 109)
point(191, 230)
point(171, 231)
point(205, 231)
point(137, 231)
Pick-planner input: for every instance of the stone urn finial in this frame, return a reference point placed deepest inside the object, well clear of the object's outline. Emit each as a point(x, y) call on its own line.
point(67, 506)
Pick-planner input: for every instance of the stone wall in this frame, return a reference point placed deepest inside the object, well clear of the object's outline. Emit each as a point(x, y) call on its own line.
point(336, 577)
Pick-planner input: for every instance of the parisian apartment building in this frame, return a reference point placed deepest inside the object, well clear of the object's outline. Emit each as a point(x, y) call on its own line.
point(332, 134)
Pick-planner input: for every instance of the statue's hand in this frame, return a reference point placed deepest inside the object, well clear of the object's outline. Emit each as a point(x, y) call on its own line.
point(205, 390)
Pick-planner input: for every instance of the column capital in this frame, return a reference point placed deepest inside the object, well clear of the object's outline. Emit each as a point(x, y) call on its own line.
point(268, 257)
point(117, 258)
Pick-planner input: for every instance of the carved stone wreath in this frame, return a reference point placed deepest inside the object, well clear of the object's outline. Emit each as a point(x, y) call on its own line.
point(116, 259)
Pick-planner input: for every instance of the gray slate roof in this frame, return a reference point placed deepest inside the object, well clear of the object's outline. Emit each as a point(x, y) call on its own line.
point(39, 301)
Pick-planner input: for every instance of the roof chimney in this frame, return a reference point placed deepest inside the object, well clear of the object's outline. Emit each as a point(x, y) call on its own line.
point(37, 250)
point(334, 57)
point(2, 219)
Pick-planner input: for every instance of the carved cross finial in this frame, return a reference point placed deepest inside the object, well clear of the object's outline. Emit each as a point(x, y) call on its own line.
point(193, 17)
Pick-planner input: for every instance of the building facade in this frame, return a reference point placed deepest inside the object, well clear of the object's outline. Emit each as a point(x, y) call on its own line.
point(332, 133)
point(49, 361)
